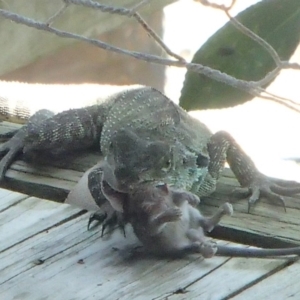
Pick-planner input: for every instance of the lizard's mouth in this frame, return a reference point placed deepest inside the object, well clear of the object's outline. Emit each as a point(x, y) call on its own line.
point(118, 191)
point(127, 187)
point(116, 186)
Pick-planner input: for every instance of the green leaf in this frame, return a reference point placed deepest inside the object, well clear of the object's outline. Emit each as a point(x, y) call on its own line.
point(232, 52)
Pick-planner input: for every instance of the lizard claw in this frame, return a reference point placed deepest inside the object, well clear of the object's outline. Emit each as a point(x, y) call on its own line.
point(16, 144)
point(9, 150)
point(109, 221)
point(263, 186)
point(97, 216)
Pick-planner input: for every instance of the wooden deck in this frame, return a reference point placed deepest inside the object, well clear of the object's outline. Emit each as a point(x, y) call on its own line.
point(46, 251)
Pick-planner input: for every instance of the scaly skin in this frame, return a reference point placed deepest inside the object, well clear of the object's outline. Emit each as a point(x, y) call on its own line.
point(145, 137)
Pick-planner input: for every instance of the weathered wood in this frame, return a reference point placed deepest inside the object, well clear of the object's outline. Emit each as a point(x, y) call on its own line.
point(265, 219)
point(231, 277)
point(267, 225)
point(18, 223)
point(44, 181)
point(9, 198)
point(50, 254)
point(282, 285)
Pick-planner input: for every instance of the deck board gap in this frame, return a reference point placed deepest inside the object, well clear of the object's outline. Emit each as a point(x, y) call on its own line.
point(14, 204)
point(72, 217)
point(261, 278)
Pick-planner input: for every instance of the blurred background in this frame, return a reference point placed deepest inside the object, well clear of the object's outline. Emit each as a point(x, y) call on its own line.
point(267, 131)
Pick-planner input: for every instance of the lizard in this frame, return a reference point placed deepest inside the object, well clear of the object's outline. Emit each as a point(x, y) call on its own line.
point(168, 224)
point(144, 137)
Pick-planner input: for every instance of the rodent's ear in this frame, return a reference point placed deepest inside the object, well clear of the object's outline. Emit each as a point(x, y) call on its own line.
point(163, 188)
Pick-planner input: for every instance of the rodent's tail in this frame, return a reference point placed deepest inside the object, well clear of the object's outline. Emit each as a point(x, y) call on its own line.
point(256, 252)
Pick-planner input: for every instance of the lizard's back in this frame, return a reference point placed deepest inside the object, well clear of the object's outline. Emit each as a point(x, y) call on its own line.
point(152, 116)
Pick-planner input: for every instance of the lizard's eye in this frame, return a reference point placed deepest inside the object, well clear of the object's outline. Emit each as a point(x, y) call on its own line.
point(167, 165)
point(202, 161)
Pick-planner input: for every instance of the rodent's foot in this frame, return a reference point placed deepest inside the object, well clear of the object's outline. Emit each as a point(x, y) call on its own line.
point(227, 209)
point(173, 214)
point(192, 199)
point(208, 249)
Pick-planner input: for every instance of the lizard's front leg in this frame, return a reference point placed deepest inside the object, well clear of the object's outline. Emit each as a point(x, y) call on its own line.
point(101, 192)
point(14, 146)
point(52, 135)
point(223, 147)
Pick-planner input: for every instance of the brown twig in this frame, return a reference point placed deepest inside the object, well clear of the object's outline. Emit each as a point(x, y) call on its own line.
point(139, 5)
point(128, 13)
point(57, 14)
point(238, 25)
point(252, 87)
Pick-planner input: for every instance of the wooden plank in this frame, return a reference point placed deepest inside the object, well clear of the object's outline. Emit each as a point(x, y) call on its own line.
point(265, 219)
point(265, 225)
point(235, 274)
point(66, 261)
point(8, 126)
point(9, 198)
point(281, 285)
point(48, 182)
point(30, 216)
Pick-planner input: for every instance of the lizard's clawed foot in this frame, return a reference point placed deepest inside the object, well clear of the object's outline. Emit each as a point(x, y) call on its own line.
point(9, 150)
point(16, 145)
point(272, 189)
point(109, 221)
point(97, 216)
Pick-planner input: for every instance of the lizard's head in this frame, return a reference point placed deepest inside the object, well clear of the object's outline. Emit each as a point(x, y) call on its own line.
point(132, 161)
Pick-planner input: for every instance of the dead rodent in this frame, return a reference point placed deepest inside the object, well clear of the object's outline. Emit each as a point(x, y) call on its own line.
point(167, 223)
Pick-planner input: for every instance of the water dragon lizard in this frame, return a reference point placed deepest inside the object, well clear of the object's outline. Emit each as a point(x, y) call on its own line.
point(144, 137)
